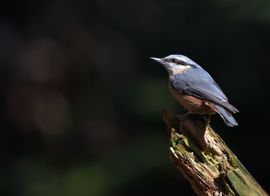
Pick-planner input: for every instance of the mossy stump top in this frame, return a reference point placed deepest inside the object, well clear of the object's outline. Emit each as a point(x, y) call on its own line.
point(205, 160)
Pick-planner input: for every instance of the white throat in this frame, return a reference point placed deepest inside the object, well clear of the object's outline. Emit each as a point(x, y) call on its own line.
point(177, 69)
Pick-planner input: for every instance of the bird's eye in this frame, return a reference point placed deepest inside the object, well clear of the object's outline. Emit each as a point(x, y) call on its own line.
point(174, 61)
point(179, 62)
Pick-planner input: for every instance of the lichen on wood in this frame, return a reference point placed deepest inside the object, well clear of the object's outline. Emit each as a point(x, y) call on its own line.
point(205, 160)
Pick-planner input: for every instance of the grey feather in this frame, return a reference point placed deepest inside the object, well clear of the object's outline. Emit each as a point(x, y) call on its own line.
point(226, 116)
point(197, 82)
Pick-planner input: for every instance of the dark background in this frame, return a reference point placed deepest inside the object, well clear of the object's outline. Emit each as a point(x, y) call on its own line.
point(81, 100)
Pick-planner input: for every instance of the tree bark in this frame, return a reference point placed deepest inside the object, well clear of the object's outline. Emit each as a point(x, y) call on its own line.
point(205, 160)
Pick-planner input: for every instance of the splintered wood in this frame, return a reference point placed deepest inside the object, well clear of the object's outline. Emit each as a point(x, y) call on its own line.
point(205, 160)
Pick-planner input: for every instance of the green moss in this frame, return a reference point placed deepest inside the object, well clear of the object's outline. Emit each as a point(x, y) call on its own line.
point(216, 164)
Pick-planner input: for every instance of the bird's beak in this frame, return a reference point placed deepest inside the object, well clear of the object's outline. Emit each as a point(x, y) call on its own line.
point(156, 59)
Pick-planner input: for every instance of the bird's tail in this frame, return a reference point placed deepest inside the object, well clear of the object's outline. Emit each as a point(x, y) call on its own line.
point(226, 116)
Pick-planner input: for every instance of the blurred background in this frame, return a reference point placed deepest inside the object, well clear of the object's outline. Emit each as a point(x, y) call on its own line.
point(81, 100)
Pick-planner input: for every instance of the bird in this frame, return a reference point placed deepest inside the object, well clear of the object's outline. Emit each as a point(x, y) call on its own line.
point(195, 89)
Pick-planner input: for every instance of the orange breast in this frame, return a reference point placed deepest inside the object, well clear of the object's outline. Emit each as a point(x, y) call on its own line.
point(191, 103)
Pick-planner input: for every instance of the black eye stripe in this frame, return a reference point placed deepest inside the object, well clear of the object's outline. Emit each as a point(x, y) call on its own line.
point(177, 61)
point(174, 60)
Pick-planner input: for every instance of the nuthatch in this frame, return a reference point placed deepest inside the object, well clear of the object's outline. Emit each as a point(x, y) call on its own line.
point(195, 89)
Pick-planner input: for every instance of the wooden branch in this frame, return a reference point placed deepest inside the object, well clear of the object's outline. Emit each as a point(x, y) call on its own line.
point(205, 161)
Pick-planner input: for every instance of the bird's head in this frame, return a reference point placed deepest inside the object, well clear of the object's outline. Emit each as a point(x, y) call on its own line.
point(176, 63)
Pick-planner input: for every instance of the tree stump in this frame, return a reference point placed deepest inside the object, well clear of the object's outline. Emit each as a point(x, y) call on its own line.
point(205, 160)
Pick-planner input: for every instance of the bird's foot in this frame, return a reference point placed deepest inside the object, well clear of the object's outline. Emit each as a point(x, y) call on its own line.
point(182, 117)
point(208, 120)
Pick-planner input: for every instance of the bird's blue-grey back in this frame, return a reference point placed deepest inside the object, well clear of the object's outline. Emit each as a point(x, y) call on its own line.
point(197, 82)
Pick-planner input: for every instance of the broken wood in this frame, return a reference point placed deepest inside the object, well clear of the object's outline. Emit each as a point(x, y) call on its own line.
point(206, 161)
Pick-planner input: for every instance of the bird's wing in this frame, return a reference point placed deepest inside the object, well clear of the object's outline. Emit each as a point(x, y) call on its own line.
point(197, 82)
